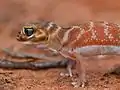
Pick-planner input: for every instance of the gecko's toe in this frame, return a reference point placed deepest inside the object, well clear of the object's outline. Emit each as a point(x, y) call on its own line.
point(64, 74)
point(83, 84)
point(70, 75)
point(77, 84)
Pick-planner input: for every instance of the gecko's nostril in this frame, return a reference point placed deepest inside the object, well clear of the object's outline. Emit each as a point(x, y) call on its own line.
point(17, 36)
point(18, 32)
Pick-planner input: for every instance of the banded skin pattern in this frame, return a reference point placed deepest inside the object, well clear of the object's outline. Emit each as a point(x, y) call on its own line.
point(74, 43)
point(92, 33)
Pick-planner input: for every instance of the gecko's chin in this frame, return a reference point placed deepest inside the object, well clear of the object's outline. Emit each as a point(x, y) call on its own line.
point(37, 45)
point(27, 43)
point(33, 43)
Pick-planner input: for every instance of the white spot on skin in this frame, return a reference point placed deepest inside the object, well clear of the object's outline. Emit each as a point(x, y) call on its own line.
point(118, 25)
point(82, 31)
point(91, 25)
point(110, 36)
point(50, 25)
point(106, 27)
point(106, 31)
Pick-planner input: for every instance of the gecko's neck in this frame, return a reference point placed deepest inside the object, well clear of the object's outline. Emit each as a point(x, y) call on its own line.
point(56, 35)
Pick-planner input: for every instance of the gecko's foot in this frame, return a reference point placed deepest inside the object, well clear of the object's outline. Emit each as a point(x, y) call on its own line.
point(78, 83)
point(65, 74)
point(68, 73)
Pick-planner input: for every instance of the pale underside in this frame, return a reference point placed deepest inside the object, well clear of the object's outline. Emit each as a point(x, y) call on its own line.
point(94, 50)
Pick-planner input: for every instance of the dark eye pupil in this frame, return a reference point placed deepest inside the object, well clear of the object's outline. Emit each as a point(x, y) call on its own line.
point(28, 31)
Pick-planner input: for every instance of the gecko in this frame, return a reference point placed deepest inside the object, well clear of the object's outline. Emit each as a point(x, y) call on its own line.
point(74, 43)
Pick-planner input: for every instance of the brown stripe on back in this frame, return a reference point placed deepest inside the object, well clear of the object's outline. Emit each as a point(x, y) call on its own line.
point(114, 30)
point(73, 34)
point(99, 28)
point(61, 33)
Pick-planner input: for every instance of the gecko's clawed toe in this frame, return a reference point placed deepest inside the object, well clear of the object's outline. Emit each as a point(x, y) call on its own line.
point(77, 84)
point(64, 74)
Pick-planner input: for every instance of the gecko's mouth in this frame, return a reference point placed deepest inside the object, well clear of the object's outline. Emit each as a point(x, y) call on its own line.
point(41, 46)
point(37, 45)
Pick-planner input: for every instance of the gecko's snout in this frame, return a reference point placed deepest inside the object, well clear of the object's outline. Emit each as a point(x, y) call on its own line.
point(19, 37)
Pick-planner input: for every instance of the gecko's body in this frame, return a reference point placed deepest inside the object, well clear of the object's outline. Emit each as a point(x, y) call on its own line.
point(88, 39)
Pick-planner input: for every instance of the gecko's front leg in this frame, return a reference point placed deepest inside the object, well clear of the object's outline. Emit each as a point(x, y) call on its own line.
point(70, 65)
point(77, 62)
point(54, 52)
point(81, 71)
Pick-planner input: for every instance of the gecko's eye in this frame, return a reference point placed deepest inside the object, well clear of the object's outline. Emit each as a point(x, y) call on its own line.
point(28, 31)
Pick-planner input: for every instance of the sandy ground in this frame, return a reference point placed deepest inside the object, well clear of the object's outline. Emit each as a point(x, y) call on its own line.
point(14, 13)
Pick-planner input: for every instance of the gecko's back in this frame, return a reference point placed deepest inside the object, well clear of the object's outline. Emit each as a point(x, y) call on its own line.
point(92, 33)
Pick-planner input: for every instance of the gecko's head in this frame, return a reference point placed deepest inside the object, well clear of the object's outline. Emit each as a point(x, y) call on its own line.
point(36, 32)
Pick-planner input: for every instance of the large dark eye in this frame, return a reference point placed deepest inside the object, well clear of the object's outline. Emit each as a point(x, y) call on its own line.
point(28, 31)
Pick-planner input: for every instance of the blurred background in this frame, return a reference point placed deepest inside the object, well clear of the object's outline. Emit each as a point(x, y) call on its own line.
point(13, 13)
